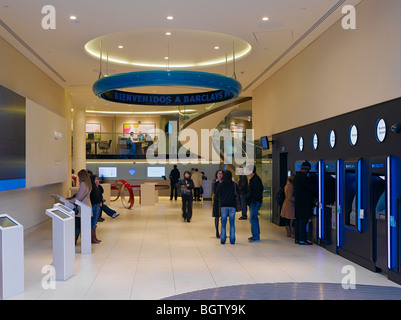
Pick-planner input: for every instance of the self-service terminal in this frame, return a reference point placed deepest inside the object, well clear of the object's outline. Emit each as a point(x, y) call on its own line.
point(331, 204)
point(378, 208)
point(385, 193)
point(356, 229)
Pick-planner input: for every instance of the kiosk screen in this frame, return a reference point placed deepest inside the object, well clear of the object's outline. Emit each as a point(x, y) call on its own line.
point(60, 214)
point(6, 222)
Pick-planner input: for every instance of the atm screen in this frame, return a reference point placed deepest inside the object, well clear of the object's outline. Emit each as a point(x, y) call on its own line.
point(381, 204)
point(350, 198)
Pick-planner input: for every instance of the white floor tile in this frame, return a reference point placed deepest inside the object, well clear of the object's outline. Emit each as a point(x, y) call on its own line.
point(150, 253)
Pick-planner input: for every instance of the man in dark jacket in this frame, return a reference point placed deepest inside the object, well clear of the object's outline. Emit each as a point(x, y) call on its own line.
point(174, 178)
point(304, 202)
point(243, 191)
point(254, 199)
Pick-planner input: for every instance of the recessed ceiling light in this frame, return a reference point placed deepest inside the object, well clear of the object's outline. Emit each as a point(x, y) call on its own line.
point(265, 18)
point(216, 48)
point(170, 18)
point(168, 33)
point(73, 18)
point(120, 47)
point(165, 58)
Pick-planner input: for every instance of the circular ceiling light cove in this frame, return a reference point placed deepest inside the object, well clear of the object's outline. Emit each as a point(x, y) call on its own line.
point(224, 88)
point(188, 48)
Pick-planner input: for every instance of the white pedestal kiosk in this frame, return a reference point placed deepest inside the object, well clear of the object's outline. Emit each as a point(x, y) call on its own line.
point(86, 236)
point(63, 220)
point(148, 197)
point(11, 257)
point(86, 213)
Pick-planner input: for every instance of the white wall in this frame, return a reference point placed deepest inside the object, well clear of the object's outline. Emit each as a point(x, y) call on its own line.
point(46, 146)
point(18, 74)
point(341, 71)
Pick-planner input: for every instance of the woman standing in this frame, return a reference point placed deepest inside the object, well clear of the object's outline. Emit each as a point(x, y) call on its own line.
point(288, 207)
point(83, 195)
point(186, 186)
point(226, 193)
point(216, 203)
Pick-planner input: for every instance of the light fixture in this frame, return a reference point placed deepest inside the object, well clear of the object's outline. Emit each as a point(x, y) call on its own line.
point(168, 33)
point(120, 47)
point(216, 48)
point(223, 88)
point(265, 18)
point(165, 58)
point(73, 18)
point(170, 18)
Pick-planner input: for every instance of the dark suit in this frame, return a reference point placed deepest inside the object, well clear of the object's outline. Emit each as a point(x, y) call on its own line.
point(304, 202)
point(174, 178)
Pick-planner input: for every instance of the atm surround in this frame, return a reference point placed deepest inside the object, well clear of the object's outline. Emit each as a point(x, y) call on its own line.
point(357, 241)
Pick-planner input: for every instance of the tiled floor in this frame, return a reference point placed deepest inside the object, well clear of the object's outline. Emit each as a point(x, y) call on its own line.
point(150, 253)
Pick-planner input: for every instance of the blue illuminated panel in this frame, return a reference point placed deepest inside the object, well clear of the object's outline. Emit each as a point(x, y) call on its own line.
point(359, 195)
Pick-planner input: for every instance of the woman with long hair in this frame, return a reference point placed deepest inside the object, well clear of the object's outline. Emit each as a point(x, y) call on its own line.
point(225, 192)
point(288, 207)
point(216, 203)
point(83, 195)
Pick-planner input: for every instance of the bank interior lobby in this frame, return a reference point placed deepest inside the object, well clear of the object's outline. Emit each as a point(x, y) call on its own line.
point(127, 90)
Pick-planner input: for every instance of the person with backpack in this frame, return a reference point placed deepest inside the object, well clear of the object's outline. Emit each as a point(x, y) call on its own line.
point(288, 206)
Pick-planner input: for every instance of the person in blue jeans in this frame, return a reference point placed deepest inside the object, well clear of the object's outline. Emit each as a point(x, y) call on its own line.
point(254, 199)
point(225, 194)
point(96, 200)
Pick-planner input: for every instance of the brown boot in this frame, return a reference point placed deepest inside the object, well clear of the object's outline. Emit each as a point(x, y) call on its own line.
point(94, 240)
point(96, 236)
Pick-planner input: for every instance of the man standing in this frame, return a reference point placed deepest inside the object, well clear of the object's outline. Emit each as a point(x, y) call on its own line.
point(304, 202)
point(197, 179)
point(254, 199)
point(174, 178)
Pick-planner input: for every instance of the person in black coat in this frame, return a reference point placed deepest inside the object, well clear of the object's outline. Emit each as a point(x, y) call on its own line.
point(254, 199)
point(174, 178)
point(216, 201)
point(225, 192)
point(186, 186)
point(304, 202)
point(243, 191)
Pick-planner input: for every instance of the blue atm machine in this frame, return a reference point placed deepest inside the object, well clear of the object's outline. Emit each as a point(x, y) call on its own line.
point(356, 227)
point(385, 193)
point(313, 228)
point(331, 199)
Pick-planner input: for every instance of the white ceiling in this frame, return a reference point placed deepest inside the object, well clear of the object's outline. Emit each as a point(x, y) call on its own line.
point(60, 53)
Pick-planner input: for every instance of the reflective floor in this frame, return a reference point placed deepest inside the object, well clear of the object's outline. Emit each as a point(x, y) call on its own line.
point(150, 253)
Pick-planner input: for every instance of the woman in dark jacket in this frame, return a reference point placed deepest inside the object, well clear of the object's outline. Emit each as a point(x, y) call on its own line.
point(186, 186)
point(226, 194)
point(216, 203)
point(96, 200)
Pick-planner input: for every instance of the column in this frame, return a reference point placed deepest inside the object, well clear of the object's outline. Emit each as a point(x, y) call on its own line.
point(79, 139)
